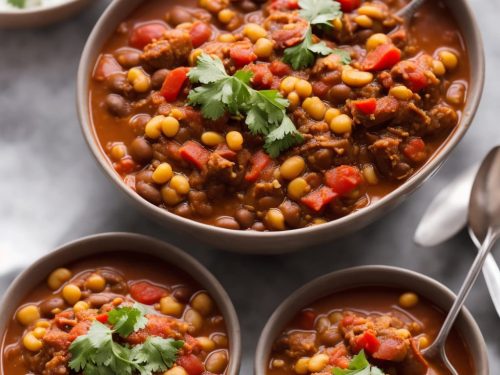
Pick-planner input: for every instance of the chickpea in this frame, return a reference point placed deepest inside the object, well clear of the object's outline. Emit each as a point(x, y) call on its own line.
point(71, 294)
point(401, 92)
point(39, 332)
point(177, 370)
point(220, 340)
point(194, 319)
point(408, 300)
point(180, 184)
point(226, 15)
point(206, 343)
point(297, 188)
point(370, 175)
point(371, 11)
point(212, 139)
point(274, 219)
point(423, 342)
point(356, 78)
point(202, 303)
point(449, 59)
point(403, 333)
point(170, 196)
point(42, 324)
point(314, 108)
point(170, 126)
point(217, 362)
point(335, 317)
point(170, 306)
point(376, 40)
point(331, 113)
point(95, 283)
point(364, 21)
point(303, 88)
point(341, 124)
point(193, 56)
point(438, 68)
point(28, 315)
point(337, 23)
point(302, 366)
point(263, 48)
point(80, 306)
point(318, 362)
point(31, 343)
point(287, 85)
point(293, 99)
point(153, 127)
point(118, 152)
point(234, 140)
point(162, 174)
point(58, 277)
point(254, 32)
point(226, 38)
point(292, 167)
point(139, 80)
point(278, 363)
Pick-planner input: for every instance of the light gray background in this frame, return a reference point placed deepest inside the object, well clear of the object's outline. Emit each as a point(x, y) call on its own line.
point(51, 190)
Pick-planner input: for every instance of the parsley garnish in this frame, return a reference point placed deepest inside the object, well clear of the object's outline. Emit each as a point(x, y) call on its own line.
point(359, 366)
point(17, 3)
point(265, 110)
point(97, 354)
point(316, 12)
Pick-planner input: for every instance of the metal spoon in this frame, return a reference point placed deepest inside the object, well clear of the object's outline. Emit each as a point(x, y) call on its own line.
point(408, 11)
point(484, 222)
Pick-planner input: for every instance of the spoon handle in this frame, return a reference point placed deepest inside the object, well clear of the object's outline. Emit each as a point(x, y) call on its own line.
point(410, 9)
point(474, 272)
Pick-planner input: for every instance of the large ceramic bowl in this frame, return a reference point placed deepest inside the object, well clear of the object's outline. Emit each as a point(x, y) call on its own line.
point(435, 292)
point(286, 241)
point(42, 15)
point(102, 243)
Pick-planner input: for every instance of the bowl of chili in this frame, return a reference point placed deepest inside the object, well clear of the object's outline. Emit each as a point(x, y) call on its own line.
point(144, 306)
point(366, 317)
point(221, 121)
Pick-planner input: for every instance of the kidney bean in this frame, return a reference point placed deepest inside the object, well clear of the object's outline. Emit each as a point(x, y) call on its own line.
point(141, 150)
point(182, 294)
point(291, 212)
point(97, 300)
point(138, 122)
point(259, 226)
point(178, 15)
point(183, 210)
point(158, 78)
point(338, 94)
point(148, 192)
point(47, 306)
point(245, 217)
point(128, 57)
point(117, 105)
point(227, 222)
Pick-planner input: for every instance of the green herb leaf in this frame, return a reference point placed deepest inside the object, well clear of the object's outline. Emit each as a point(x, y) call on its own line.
point(359, 366)
point(320, 12)
point(157, 354)
point(208, 70)
point(126, 320)
point(17, 3)
point(282, 138)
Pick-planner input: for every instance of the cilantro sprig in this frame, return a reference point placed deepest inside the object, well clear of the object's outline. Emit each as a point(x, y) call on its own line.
point(96, 353)
point(264, 110)
point(17, 3)
point(319, 13)
point(359, 365)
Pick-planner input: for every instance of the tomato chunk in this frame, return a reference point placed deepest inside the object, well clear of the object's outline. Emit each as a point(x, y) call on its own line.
point(147, 293)
point(191, 364)
point(144, 34)
point(319, 198)
point(339, 356)
point(349, 5)
point(367, 106)
point(383, 57)
point(259, 162)
point(172, 85)
point(242, 56)
point(279, 68)
point(343, 179)
point(200, 33)
point(194, 153)
point(415, 150)
point(103, 318)
point(368, 342)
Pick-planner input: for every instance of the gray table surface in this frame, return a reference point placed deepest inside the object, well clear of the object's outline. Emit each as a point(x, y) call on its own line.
point(51, 190)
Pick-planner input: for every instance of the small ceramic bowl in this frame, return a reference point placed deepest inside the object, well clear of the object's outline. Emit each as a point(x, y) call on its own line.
point(439, 295)
point(108, 242)
point(41, 15)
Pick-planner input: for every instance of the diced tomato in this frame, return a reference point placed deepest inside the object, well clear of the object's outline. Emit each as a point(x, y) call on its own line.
point(259, 161)
point(81, 328)
point(306, 319)
point(339, 356)
point(343, 179)
point(349, 5)
point(417, 79)
point(262, 77)
point(225, 152)
point(383, 57)
point(367, 341)
point(106, 66)
point(319, 198)
point(144, 34)
point(279, 68)
point(320, 89)
point(103, 318)
point(191, 364)
point(242, 56)
point(147, 293)
point(391, 349)
point(284, 5)
point(200, 33)
point(125, 166)
point(194, 153)
point(415, 150)
point(367, 106)
point(172, 85)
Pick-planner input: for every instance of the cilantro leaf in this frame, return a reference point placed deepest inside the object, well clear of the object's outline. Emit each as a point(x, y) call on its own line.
point(126, 320)
point(282, 138)
point(208, 70)
point(17, 3)
point(320, 12)
point(302, 55)
point(157, 354)
point(359, 365)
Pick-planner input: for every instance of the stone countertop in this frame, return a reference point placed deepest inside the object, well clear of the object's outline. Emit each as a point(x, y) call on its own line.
point(53, 192)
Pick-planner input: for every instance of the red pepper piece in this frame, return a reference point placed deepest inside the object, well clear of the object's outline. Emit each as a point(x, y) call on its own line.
point(343, 179)
point(103, 318)
point(259, 162)
point(191, 364)
point(200, 33)
point(349, 5)
point(383, 57)
point(194, 153)
point(415, 150)
point(279, 68)
point(367, 106)
point(172, 85)
point(367, 341)
point(147, 293)
point(319, 198)
point(242, 56)
point(144, 34)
